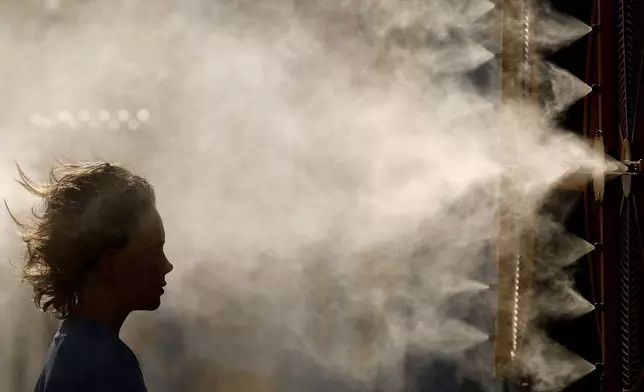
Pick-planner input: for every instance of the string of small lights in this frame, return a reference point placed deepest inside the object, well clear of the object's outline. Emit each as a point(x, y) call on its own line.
point(121, 119)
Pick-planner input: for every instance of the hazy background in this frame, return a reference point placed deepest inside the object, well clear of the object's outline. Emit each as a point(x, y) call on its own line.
point(328, 173)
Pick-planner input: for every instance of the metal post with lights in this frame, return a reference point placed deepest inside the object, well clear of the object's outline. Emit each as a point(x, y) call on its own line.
point(515, 252)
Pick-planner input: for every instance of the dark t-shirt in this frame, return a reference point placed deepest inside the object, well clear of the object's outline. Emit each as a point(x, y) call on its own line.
point(87, 356)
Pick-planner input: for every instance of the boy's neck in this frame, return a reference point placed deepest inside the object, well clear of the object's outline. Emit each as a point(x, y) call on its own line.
point(101, 311)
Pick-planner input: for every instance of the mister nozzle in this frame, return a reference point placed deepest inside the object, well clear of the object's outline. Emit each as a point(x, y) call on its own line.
point(633, 167)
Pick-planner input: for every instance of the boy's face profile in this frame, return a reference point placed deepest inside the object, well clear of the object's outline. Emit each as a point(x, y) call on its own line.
point(140, 267)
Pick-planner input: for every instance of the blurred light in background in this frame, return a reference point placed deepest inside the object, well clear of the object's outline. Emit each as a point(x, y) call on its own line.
point(35, 120)
point(115, 125)
point(85, 119)
point(73, 123)
point(52, 5)
point(64, 116)
point(104, 115)
point(123, 115)
point(143, 115)
point(84, 115)
point(134, 124)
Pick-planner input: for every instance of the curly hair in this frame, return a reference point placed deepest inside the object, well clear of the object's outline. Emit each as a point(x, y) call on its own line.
point(87, 207)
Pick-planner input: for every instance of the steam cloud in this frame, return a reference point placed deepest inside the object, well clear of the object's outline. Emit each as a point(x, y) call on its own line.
point(328, 172)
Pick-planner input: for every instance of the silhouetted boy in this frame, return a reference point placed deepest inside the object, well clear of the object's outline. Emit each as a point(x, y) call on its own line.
point(93, 255)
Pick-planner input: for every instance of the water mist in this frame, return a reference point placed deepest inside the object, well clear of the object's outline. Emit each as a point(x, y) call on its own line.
point(328, 173)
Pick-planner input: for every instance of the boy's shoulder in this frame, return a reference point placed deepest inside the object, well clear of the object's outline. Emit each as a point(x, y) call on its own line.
point(85, 354)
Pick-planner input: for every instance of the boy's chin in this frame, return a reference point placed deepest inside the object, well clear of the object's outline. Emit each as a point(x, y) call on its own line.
point(151, 305)
point(155, 305)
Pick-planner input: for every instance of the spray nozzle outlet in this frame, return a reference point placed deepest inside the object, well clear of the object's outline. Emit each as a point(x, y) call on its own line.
point(632, 167)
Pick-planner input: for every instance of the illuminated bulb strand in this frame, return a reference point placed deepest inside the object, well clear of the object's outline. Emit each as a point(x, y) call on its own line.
point(115, 121)
point(526, 42)
point(526, 36)
point(515, 308)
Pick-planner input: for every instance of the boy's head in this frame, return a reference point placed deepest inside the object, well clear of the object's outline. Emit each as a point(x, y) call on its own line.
point(98, 234)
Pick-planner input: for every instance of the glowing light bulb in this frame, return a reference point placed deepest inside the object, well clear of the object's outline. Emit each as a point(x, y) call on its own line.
point(64, 116)
point(52, 5)
point(45, 123)
point(84, 115)
point(134, 124)
point(104, 115)
point(35, 120)
point(123, 115)
point(143, 115)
